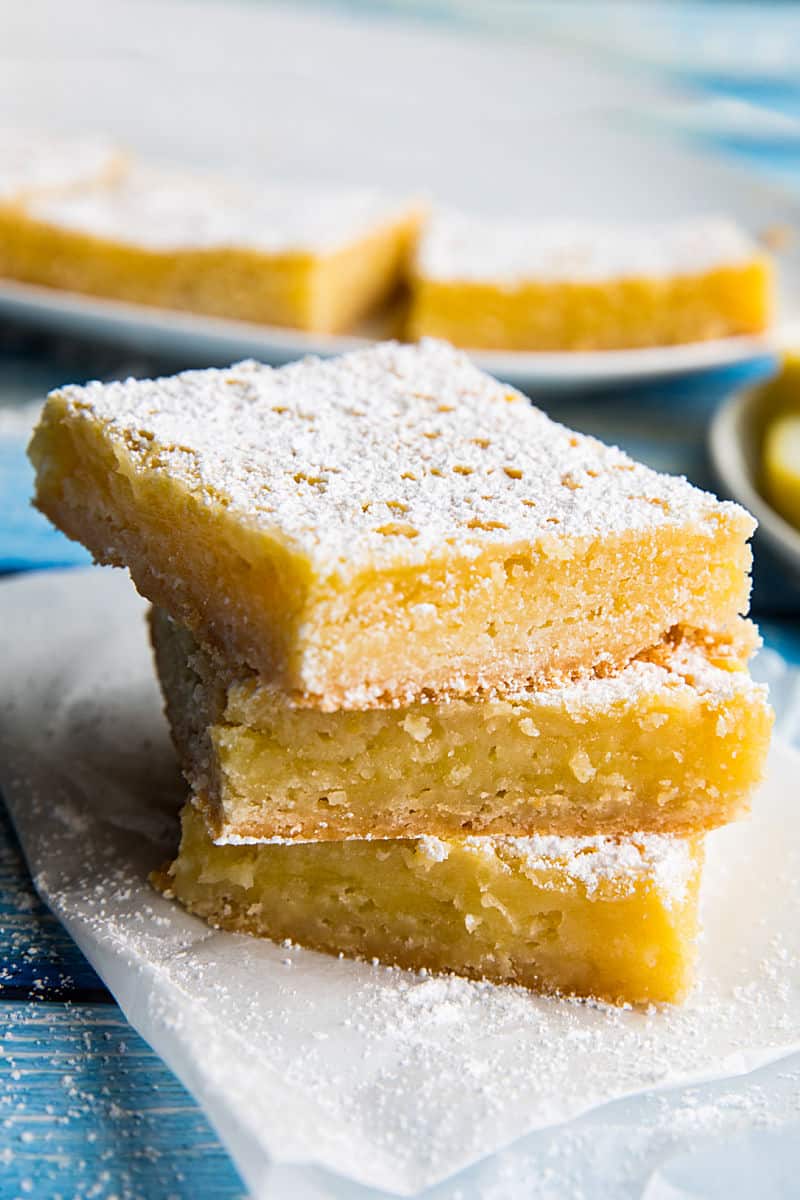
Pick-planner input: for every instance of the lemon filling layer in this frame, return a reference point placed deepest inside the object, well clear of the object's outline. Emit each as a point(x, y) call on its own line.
point(674, 742)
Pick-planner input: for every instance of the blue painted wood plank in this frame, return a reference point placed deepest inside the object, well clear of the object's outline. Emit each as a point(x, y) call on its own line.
point(88, 1110)
point(38, 958)
point(30, 365)
point(28, 538)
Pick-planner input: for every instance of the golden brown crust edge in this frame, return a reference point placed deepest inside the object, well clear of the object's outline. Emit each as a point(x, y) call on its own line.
point(549, 821)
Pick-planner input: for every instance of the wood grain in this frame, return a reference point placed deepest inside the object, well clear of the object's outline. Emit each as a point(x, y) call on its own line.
point(87, 1110)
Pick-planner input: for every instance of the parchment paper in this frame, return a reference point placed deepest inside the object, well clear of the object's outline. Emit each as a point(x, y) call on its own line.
point(316, 1071)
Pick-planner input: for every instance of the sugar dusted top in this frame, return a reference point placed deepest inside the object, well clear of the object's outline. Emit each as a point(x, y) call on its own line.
point(162, 211)
point(457, 247)
point(32, 163)
point(386, 456)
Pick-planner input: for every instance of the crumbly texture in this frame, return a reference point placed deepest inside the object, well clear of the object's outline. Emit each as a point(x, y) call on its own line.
point(281, 256)
point(592, 917)
point(383, 523)
point(674, 742)
point(36, 166)
point(562, 286)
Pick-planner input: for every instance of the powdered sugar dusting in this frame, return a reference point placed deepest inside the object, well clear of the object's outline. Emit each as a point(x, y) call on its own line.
point(35, 164)
point(686, 668)
point(433, 848)
point(157, 210)
point(458, 247)
point(386, 455)
point(668, 863)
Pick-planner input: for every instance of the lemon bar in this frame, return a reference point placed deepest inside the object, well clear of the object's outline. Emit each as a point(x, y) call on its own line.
point(279, 256)
point(591, 916)
point(384, 523)
point(34, 165)
point(484, 284)
point(674, 742)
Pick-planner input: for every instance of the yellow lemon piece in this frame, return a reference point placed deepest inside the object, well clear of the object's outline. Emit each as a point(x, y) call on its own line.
point(782, 466)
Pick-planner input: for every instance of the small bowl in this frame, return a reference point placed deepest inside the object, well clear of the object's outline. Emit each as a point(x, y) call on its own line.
point(735, 443)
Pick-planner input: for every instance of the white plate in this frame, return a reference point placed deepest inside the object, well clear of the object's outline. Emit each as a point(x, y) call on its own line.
point(210, 341)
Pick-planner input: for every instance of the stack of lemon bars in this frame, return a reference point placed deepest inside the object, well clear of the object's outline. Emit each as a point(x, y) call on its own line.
point(453, 687)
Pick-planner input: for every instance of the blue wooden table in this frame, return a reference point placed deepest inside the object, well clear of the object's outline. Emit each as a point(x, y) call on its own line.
point(86, 1108)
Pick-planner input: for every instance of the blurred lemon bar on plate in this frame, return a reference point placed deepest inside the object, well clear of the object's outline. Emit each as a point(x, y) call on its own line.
point(673, 742)
point(593, 917)
point(36, 165)
point(386, 523)
point(487, 284)
point(308, 258)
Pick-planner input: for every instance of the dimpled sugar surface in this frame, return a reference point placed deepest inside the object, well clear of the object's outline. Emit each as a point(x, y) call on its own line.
point(387, 455)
